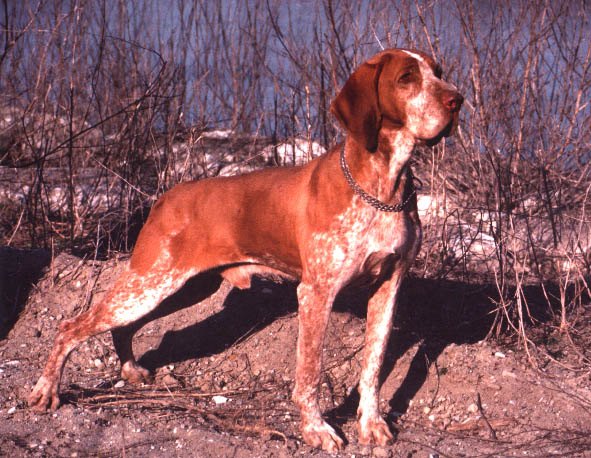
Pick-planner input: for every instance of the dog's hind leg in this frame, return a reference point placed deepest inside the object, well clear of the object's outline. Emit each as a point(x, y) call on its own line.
point(122, 340)
point(134, 296)
point(194, 291)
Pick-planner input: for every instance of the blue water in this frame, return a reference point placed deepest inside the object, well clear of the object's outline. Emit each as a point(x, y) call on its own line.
point(261, 66)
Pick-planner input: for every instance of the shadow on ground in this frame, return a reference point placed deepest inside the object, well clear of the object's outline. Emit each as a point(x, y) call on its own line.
point(19, 271)
point(244, 312)
point(432, 313)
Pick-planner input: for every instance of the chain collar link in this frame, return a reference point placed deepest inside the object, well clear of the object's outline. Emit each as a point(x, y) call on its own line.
point(371, 200)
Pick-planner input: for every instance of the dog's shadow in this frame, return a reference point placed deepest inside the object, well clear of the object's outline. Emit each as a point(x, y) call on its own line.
point(431, 313)
point(244, 312)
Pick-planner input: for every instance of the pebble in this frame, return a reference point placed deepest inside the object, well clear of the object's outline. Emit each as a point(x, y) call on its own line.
point(120, 384)
point(169, 380)
point(499, 354)
point(219, 399)
point(472, 408)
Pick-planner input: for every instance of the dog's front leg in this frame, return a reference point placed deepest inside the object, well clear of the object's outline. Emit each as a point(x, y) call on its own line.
point(380, 315)
point(315, 304)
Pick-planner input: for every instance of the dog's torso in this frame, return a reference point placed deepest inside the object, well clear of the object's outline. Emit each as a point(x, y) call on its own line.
point(293, 223)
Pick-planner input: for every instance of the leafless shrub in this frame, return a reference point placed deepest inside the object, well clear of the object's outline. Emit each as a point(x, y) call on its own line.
point(107, 104)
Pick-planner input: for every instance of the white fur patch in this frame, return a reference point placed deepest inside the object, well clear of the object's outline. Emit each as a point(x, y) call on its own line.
point(137, 295)
point(413, 55)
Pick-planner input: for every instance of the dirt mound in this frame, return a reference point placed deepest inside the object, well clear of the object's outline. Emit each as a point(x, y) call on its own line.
point(224, 373)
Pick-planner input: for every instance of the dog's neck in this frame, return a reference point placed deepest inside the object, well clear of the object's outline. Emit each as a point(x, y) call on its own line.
point(383, 172)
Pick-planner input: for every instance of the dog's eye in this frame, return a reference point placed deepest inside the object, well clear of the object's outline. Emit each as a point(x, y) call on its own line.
point(407, 77)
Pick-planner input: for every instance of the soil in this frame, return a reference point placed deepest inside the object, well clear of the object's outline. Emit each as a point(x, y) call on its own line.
point(224, 371)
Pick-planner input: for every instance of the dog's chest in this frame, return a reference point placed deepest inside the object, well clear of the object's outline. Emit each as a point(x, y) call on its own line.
point(361, 233)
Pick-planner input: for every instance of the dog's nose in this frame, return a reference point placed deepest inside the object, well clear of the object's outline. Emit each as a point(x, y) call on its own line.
point(453, 101)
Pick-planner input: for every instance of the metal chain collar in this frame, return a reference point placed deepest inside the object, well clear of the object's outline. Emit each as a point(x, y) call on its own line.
point(376, 203)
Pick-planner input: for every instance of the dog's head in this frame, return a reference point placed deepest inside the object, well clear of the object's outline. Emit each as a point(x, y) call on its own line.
point(401, 89)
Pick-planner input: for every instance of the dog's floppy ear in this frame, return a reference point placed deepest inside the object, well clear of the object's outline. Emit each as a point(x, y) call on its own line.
point(357, 104)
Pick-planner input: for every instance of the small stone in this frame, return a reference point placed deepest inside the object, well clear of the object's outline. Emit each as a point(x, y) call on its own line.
point(219, 399)
point(426, 410)
point(170, 380)
point(499, 354)
point(120, 384)
point(11, 410)
point(472, 408)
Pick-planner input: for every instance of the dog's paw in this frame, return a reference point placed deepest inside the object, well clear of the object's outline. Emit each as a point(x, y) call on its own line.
point(322, 435)
point(44, 396)
point(374, 431)
point(134, 373)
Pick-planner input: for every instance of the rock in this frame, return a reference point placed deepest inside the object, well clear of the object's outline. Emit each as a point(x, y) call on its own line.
point(219, 399)
point(170, 380)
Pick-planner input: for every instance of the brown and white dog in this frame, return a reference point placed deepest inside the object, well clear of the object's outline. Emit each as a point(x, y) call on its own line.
point(349, 213)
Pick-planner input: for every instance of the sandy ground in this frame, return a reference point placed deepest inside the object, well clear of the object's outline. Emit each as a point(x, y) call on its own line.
point(224, 371)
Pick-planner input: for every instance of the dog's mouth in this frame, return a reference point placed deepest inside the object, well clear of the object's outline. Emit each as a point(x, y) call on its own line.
point(447, 131)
